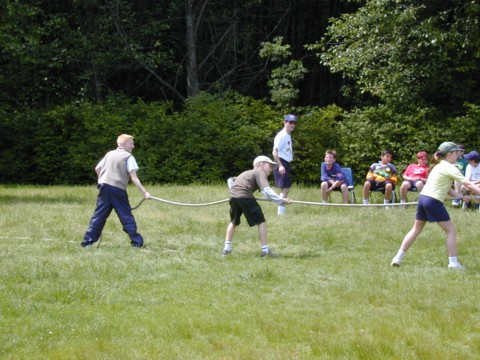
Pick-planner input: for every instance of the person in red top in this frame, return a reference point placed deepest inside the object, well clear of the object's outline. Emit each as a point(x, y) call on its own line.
point(414, 176)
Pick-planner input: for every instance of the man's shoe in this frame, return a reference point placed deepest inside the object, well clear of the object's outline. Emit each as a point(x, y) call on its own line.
point(455, 203)
point(136, 246)
point(396, 262)
point(226, 252)
point(85, 244)
point(456, 266)
point(268, 253)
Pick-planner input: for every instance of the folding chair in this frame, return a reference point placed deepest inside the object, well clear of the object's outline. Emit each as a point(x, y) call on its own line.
point(349, 178)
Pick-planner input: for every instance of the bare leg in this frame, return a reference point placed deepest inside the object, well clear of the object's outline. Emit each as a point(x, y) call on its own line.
point(344, 189)
point(411, 236)
point(408, 241)
point(262, 233)
point(366, 190)
point(324, 188)
point(419, 185)
point(403, 190)
point(230, 232)
point(449, 229)
point(388, 192)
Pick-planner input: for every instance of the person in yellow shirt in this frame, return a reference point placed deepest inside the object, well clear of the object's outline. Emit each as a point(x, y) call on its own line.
point(430, 205)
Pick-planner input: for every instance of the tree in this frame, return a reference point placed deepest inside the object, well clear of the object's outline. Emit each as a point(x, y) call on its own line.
point(421, 53)
point(284, 78)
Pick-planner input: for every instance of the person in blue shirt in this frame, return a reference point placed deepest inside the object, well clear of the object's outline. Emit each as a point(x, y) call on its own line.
point(332, 177)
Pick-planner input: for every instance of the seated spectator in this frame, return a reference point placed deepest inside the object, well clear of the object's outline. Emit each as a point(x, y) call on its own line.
point(332, 177)
point(414, 176)
point(381, 176)
point(472, 174)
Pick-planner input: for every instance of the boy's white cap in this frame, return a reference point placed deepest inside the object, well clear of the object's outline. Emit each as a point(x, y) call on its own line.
point(263, 158)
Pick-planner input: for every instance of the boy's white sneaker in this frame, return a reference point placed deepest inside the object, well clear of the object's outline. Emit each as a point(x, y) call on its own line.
point(456, 266)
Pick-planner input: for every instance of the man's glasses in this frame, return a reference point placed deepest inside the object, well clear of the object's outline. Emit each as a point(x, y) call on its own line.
point(291, 122)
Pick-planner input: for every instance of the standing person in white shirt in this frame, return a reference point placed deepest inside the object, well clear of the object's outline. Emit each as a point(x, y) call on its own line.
point(283, 155)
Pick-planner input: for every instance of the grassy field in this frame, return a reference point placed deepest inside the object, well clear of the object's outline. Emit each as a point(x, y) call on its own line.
point(330, 295)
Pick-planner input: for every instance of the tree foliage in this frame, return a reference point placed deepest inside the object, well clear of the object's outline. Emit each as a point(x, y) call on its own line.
point(285, 77)
point(57, 52)
point(420, 53)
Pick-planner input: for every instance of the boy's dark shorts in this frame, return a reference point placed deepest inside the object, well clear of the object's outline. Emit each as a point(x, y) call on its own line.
point(247, 206)
point(379, 185)
point(283, 181)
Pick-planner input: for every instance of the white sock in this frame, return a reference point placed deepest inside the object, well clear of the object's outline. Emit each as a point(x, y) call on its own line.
point(400, 254)
point(402, 201)
point(228, 245)
point(385, 201)
point(281, 210)
point(265, 248)
point(365, 201)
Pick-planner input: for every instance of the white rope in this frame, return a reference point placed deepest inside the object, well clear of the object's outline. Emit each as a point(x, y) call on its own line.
point(351, 205)
point(292, 201)
point(185, 204)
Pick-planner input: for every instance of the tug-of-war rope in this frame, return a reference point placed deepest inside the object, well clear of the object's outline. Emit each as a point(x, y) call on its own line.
point(292, 201)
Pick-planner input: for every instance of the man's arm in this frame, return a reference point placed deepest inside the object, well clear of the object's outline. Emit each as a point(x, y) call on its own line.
point(276, 158)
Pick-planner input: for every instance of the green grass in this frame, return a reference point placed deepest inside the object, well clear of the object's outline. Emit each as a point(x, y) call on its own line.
point(331, 295)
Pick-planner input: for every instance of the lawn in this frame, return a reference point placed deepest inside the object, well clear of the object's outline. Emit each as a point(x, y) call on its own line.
point(330, 295)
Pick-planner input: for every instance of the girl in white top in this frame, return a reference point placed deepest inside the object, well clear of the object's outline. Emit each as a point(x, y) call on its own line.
point(430, 202)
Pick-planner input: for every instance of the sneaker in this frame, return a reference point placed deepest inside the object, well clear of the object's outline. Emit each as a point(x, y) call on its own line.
point(136, 246)
point(396, 262)
point(226, 252)
point(85, 244)
point(456, 266)
point(268, 253)
point(456, 203)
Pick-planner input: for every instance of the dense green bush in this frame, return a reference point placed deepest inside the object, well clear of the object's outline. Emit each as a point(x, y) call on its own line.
point(212, 138)
point(364, 133)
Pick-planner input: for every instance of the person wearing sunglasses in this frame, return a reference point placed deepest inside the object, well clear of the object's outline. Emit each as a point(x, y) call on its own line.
point(283, 155)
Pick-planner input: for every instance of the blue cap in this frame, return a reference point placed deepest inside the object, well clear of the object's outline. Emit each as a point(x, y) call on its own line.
point(472, 155)
point(290, 117)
